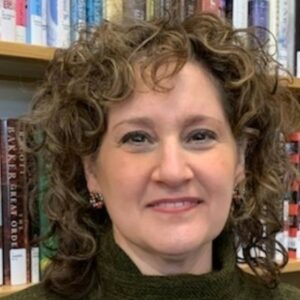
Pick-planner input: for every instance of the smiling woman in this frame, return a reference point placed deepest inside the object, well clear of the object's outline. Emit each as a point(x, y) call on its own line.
point(151, 129)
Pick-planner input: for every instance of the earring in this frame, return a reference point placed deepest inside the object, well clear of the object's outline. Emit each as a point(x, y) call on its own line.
point(96, 200)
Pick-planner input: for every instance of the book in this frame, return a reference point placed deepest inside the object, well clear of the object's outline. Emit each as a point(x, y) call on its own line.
point(212, 6)
point(259, 17)
point(78, 18)
point(34, 33)
point(297, 39)
point(135, 9)
point(112, 9)
point(44, 22)
point(240, 13)
point(21, 21)
point(94, 13)
point(15, 242)
point(8, 20)
point(58, 22)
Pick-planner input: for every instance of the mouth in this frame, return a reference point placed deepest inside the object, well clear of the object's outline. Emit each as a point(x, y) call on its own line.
point(174, 205)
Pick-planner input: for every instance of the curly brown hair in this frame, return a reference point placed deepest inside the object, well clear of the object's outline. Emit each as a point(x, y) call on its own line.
point(69, 116)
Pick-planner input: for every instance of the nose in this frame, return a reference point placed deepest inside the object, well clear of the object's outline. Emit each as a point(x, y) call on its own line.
point(172, 167)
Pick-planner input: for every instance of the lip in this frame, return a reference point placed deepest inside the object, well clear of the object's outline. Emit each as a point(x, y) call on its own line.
point(175, 205)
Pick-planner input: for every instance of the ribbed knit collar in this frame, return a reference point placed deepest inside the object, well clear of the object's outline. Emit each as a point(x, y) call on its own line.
point(121, 279)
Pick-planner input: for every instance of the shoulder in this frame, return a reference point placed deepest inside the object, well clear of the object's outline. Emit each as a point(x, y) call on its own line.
point(254, 288)
point(288, 292)
point(35, 292)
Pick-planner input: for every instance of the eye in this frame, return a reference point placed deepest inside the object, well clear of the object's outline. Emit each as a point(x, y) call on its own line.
point(201, 136)
point(136, 138)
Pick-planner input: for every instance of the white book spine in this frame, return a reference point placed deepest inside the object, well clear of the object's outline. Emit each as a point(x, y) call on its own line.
point(240, 13)
point(18, 266)
point(8, 11)
point(44, 22)
point(55, 23)
point(1, 7)
point(35, 261)
point(291, 36)
point(298, 64)
point(273, 26)
point(66, 24)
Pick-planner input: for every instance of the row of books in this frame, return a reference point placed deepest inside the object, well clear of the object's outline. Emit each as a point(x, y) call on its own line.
point(290, 234)
point(57, 23)
point(19, 254)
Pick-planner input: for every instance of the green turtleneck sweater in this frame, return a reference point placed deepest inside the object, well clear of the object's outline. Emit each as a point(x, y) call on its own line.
point(121, 280)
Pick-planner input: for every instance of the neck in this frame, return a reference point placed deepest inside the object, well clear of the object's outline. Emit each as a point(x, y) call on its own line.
point(149, 262)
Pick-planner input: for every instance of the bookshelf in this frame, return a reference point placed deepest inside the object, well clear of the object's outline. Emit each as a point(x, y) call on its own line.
point(27, 63)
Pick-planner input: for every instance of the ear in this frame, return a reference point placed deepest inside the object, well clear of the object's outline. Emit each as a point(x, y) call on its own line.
point(240, 169)
point(90, 171)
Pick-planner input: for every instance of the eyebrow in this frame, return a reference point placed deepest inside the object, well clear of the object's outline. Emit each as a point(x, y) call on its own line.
point(189, 121)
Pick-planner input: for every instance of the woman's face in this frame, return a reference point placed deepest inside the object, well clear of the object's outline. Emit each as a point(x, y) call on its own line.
point(167, 168)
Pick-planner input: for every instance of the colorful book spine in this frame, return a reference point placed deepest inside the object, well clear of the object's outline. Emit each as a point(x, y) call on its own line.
point(58, 24)
point(15, 243)
point(212, 6)
point(240, 13)
point(135, 9)
point(98, 11)
point(21, 21)
point(34, 22)
point(259, 17)
point(31, 176)
point(8, 11)
point(90, 13)
point(78, 18)
point(113, 9)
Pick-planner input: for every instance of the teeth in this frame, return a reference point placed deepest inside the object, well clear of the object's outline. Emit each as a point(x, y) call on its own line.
point(173, 204)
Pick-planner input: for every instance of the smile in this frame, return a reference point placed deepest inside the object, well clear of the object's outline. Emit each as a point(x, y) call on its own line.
point(174, 205)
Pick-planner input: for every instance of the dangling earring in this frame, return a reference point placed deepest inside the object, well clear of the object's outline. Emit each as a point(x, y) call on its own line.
point(96, 200)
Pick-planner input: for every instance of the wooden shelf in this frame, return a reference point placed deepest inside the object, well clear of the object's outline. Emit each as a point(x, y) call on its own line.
point(22, 62)
point(25, 51)
point(295, 85)
point(8, 289)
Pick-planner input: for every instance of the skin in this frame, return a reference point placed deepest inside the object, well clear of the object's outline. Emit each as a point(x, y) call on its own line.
point(167, 167)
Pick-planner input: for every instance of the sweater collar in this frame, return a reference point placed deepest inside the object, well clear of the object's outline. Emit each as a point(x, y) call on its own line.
point(121, 279)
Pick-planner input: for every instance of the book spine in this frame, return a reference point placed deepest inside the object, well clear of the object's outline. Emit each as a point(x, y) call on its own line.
point(34, 25)
point(286, 35)
point(1, 217)
point(31, 176)
point(189, 8)
point(98, 11)
point(66, 35)
point(297, 39)
point(90, 13)
point(273, 26)
point(8, 11)
point(135, 9)
point(259, 16)
point(78, 18)
point(212, 6)
point(240, 14)
point(112, 9)
point(55, 23)
point(21, 21)
point(44, 22)
point(14, 211)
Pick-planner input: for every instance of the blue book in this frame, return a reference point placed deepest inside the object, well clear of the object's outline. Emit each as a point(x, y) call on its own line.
point(259, 16)
point(78, 18)
point(90, 13)
point(98, 12)
point(34, 23)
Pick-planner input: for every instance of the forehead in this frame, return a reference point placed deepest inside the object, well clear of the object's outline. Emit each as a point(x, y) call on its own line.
point(192, 90)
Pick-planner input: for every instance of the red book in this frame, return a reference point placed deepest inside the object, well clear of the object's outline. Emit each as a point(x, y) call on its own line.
point(212, 6)
point(14, 207)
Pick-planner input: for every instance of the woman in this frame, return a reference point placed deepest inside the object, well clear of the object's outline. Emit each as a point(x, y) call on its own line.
point(165, 157)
